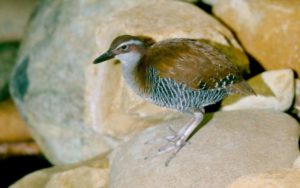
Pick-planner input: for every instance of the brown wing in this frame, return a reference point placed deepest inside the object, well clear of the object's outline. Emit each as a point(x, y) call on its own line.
point(194, 63)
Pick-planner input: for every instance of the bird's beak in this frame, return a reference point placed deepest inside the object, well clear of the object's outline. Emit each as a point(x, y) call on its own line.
point(104, 57)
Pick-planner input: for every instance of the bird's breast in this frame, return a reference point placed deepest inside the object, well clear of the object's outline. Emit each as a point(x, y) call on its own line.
point(167, 92)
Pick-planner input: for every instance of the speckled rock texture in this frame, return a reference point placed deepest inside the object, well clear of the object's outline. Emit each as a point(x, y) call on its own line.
point(230, 145)
point(76, 110)
point(269, 30)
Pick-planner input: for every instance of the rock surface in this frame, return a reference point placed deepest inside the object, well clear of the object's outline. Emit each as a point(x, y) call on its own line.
point(230, 145)
point(88, 174)
point(12, 127)
point(14, 15)
point(274, 89)
point(269, 30)
point(8, 56)
point(77, 110)
point(285, 178)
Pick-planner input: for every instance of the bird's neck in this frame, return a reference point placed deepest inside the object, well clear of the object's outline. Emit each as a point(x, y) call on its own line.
point(130, 62)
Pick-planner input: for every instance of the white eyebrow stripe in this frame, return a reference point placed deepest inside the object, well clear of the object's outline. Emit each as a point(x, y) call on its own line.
point(129, 42)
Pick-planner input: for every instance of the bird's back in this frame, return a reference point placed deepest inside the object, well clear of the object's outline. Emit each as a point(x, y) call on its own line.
point(191, 72)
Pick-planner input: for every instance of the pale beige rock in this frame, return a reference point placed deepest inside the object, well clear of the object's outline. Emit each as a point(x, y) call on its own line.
point(14, 15)
point(88, 174)
point(274, 89)
point(77, 110)
point(230, 145)
point(284, 178)
point(269, 30)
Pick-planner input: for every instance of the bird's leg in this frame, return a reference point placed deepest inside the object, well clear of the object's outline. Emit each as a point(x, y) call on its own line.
point(174, 137)
point(176, 142)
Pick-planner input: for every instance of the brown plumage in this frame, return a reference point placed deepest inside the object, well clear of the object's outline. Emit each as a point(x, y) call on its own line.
point(196, 63)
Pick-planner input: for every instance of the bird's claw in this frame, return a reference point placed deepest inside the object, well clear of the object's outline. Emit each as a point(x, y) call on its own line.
point(174, 145)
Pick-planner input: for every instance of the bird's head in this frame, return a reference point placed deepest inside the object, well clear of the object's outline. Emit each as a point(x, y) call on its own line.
point(126, 48)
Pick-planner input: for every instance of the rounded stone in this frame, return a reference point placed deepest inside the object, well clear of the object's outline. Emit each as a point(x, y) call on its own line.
point(269, 30)
point(230, 145)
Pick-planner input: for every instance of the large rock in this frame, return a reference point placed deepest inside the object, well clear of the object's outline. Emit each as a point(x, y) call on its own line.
point(285, 178)
point(14, 15)
point(88, 174)
point(76, 110)
point(274, 89)
point(8, 56)
point(230, 145)
point(269, 29)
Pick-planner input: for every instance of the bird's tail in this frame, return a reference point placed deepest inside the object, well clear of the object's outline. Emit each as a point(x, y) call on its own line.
point(242, 88)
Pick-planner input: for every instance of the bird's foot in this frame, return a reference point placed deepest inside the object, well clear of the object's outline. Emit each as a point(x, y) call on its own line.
point(177, 140)
point(174, 144)
point(170, 138)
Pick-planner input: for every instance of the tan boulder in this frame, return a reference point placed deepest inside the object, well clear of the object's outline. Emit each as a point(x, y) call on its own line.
point(89, 174)
point(269, 30)
point(284, 178)
point(230, 145)
point(274, 89)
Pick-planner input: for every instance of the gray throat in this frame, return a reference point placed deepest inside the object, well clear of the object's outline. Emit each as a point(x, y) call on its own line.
point(129, 63)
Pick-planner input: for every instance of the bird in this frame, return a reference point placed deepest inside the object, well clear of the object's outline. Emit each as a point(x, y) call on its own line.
point(183, 74)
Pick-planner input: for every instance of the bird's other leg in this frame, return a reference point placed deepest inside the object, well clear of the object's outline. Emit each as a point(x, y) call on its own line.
point(174, 134)
point(177, 141)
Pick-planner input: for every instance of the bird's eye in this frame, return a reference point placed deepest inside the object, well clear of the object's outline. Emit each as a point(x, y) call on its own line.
point(124, 47)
